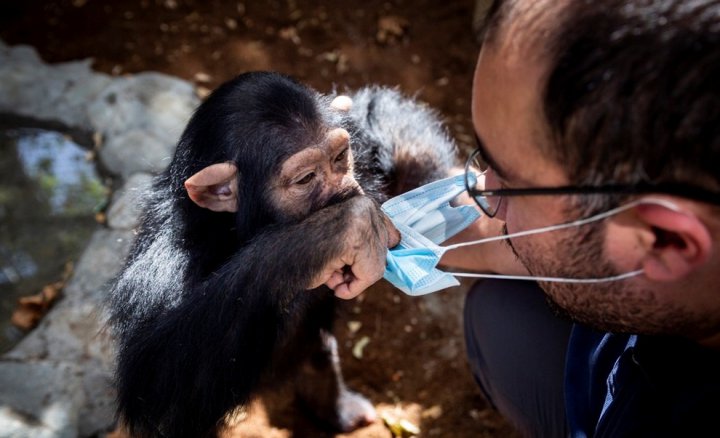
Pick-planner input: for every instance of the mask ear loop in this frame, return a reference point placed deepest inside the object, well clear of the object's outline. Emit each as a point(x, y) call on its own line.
point(550, 279)
point(575, 223)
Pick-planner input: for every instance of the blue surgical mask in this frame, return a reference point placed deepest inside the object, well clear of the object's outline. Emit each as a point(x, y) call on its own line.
point(424, 217)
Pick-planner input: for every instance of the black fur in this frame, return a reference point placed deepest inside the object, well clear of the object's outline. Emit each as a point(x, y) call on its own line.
point(211, 304)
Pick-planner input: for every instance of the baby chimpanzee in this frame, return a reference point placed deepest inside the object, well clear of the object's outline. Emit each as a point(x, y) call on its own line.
point(212, 301)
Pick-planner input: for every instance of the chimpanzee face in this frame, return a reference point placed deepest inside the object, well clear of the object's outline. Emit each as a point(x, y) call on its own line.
point(307, 180)
point(310, 178)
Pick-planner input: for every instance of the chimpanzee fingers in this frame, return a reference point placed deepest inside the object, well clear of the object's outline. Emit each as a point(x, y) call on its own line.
point(368, 268)
point(343, 291)
point(356, 287)
point(333, 270)
point(352, 289)
point(335, 280)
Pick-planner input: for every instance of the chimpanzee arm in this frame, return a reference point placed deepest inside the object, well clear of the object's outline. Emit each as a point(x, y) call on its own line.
point(185, 370)
point(354, 233)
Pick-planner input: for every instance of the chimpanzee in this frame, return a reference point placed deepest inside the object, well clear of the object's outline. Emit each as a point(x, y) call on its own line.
point(212, 302)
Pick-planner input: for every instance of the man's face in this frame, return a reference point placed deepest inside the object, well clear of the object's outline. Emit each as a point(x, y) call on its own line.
point(507, 115)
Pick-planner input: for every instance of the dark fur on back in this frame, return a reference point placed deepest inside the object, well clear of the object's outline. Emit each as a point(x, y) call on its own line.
point(207, 301)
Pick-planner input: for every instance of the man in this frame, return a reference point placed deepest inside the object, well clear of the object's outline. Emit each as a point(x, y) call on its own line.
point(583, 107)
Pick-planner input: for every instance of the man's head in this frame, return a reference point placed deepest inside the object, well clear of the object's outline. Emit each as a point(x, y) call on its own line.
point(617, 92)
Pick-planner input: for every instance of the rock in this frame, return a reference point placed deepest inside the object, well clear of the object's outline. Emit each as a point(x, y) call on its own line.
point(151, 102)
point(73, 330)
point(33, 89)
point(141, 118)
point(57, 382)
point(40, 399)
point(135, 151)
point(124, 212)
point(74, 333)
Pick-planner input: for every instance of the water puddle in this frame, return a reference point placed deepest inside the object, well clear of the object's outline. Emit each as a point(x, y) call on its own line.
point(49, 195)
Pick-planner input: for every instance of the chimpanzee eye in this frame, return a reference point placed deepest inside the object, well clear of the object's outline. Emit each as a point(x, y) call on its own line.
point(341, 156)
point(306, 179)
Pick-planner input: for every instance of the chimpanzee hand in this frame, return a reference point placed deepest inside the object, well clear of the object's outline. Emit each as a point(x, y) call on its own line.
point(361, 260)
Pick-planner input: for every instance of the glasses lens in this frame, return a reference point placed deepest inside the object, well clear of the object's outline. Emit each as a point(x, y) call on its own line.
point(483, 181)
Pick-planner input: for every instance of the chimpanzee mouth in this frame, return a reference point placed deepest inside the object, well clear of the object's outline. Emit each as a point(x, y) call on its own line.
point(341, 196)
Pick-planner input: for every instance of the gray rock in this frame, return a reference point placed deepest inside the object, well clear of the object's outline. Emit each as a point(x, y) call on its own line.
point(19, 55)
point(135, 151)
point(124, 212)
point(74, 330)
point(150, 102)
point(74, 333)
point(57, 381)
point(61, 92)
point(40, 399)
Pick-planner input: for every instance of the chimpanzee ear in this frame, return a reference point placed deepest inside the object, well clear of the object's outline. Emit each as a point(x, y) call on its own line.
point(214, 187)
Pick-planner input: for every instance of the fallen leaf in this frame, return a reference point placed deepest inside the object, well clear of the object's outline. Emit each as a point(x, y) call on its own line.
point(290, 34)
point(400, 427)
point(360, 345)
point(354, 326)
point(432, 413)
point(202, 92)
point(202, 77)
point(391, 29)
point(30, 309)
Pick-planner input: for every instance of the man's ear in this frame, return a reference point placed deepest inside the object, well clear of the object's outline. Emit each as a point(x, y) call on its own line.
point(214, 187)
point(679, 242)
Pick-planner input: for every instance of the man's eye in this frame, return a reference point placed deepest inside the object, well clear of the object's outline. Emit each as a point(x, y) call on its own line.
point(341, 156)
point(306, 179)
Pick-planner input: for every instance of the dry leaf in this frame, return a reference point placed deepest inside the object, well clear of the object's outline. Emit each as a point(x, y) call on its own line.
point(30, 309)
point(432, 413)
point(360, 345)
point(391, 29)
point(354, 326)
point(202, 77)
point(400, 427)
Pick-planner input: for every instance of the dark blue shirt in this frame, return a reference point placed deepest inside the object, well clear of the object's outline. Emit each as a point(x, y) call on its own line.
point(620, 385)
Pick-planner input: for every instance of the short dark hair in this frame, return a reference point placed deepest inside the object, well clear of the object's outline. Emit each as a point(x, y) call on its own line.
point(632, 91)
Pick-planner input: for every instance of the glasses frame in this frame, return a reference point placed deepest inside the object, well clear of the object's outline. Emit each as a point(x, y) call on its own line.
point(641, 188)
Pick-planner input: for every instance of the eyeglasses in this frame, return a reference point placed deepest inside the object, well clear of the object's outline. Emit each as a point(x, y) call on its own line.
point(490, 200)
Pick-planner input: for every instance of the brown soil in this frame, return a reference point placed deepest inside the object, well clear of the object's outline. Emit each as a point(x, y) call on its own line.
point(414, 365)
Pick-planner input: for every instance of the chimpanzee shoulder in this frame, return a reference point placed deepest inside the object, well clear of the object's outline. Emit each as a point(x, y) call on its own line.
point(400, 142)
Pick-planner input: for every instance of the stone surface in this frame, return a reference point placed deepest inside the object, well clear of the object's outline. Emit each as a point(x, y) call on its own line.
point(152, 101)
point(73, 330)
point(135, 151)
point(124, 213)
point(142, 118)
point(74, 334)
point(39, 399)
point(59, 93)
point(57, 382)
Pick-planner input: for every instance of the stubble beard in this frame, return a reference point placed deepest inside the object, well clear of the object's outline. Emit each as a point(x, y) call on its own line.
point(613, 306)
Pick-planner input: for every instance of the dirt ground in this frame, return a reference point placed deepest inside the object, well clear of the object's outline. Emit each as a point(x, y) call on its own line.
point(413, 367)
